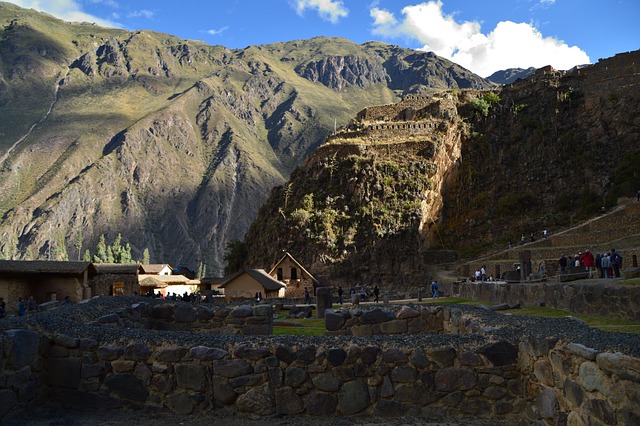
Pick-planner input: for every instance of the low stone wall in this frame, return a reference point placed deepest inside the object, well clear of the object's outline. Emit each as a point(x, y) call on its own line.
point(603, 298)
point(462, 362)
point(244, 319)
point(541, 381)
point(408, 320)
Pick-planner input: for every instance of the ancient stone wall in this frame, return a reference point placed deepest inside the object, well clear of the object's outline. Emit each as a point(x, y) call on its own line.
point(584, 298)
point(540, 381)
point(243, 320)
point(408, 320)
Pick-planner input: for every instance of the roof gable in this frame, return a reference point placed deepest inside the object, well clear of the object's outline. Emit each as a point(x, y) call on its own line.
point(288, 255)
point(260, 276)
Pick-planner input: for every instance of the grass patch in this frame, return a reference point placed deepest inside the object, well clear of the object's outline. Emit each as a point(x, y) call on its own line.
point(310, 327)
point(602, 323)
point(631, 281)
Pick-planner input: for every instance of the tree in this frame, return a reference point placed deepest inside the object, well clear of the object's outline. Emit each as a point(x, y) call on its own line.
point(87, 256)
point(109, 255)
point(125, 254)
point(78, 244)
point(116, 249)
point(100, 255)
point(235, 254)
point(146, 259)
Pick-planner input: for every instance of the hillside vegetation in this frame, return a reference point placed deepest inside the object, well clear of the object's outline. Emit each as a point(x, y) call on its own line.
point(173, 143)
point(456, 174)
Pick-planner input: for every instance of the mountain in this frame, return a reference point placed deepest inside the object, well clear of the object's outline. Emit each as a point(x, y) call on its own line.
point(510, 75)
point(173, 143)
point(448, 175)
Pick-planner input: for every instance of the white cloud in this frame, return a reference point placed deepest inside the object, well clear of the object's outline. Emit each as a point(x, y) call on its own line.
point(328, 10)
point(68, 10)
point(217, 32)
point(143, 13)
point(508, 45)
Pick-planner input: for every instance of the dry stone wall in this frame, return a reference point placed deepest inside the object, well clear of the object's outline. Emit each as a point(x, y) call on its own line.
point(540, 380)
point(603, 298)
point(244, 319)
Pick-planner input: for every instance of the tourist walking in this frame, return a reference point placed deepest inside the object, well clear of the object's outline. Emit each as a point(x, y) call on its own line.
point(563, 263)
point(434, 290)
point(340, 291)
point(606, 265)
point(22, 310)
point(307, 296)
point(616, 262)
point(376, 293)
point(588, 262)
point(32, 306)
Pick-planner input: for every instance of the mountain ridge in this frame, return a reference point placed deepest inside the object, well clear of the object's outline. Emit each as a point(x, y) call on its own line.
point(173, 143)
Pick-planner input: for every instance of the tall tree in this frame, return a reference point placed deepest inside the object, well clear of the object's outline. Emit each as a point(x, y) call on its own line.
point(235, 255)
point(78, 243)
point(100, 255)
point(146, 259)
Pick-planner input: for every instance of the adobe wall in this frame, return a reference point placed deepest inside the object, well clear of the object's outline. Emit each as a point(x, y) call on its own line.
point(601, 298)
point(541, 381)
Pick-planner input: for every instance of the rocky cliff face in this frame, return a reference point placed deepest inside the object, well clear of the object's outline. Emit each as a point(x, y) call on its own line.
point(173, 143)
point(406, 183)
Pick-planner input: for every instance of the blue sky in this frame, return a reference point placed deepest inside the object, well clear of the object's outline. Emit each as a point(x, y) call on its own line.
point(483, 36)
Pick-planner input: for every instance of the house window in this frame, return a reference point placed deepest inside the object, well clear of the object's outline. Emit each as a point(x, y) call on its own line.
point(294, 273)
point(279, 274)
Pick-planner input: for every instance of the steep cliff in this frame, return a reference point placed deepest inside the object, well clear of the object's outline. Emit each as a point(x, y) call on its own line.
point(173, 143)
point(431, 178)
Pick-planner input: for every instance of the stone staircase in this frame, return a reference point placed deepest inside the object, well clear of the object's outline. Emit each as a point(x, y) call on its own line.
point(619, 229)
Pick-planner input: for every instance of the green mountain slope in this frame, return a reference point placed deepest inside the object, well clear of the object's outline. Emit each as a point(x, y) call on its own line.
point(174, 143)
point(456, 173)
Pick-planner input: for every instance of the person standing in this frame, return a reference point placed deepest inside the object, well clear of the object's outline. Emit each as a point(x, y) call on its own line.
point(340, 294)
point(616, 262)
point(32, 305)
point(434, 290)
point(563, 263)
point(307, 296)
point(376, 293)
point(589, 262)
point(606, 264)
point(22, 310)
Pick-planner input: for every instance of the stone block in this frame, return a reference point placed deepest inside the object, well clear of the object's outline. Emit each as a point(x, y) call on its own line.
point(443, 357)
point(500, 353)
point(137, 351)
point(389, 408)
point(407, 312)
point(162, 311)
point(127, 386)
point(181, 403)
point(546, 403)
point(288, 402)
point(306, 354)
point(207, 354)
point(222, 391)
point(22, 347)
point(66, 341)
point(353, 397)
point(414, 394)
point(171, 354)
point(232, 368)
point(250, 352)
point(242, 311)
point(259, 400)
point(184, 313)
point(582, 351)
point(248, 380)
point(122, 366)
point(394, 355)
point(257, 330)
point(294, 376)
point(191, 376)
point(623, 366)
point(65, 372)
point(336, 356)
point(476, 407)
point(333, 320)
point(376, 316)
point(321, 404)
point(394, 327)
point(327, 382)
point(544, 372)
point(404, 374)
point(450, 379)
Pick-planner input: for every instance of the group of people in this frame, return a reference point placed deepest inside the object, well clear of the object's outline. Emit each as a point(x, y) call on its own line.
point(605, 265)
point(363, 294)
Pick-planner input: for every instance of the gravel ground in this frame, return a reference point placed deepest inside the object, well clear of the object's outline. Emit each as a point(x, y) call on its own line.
point(54, 416)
